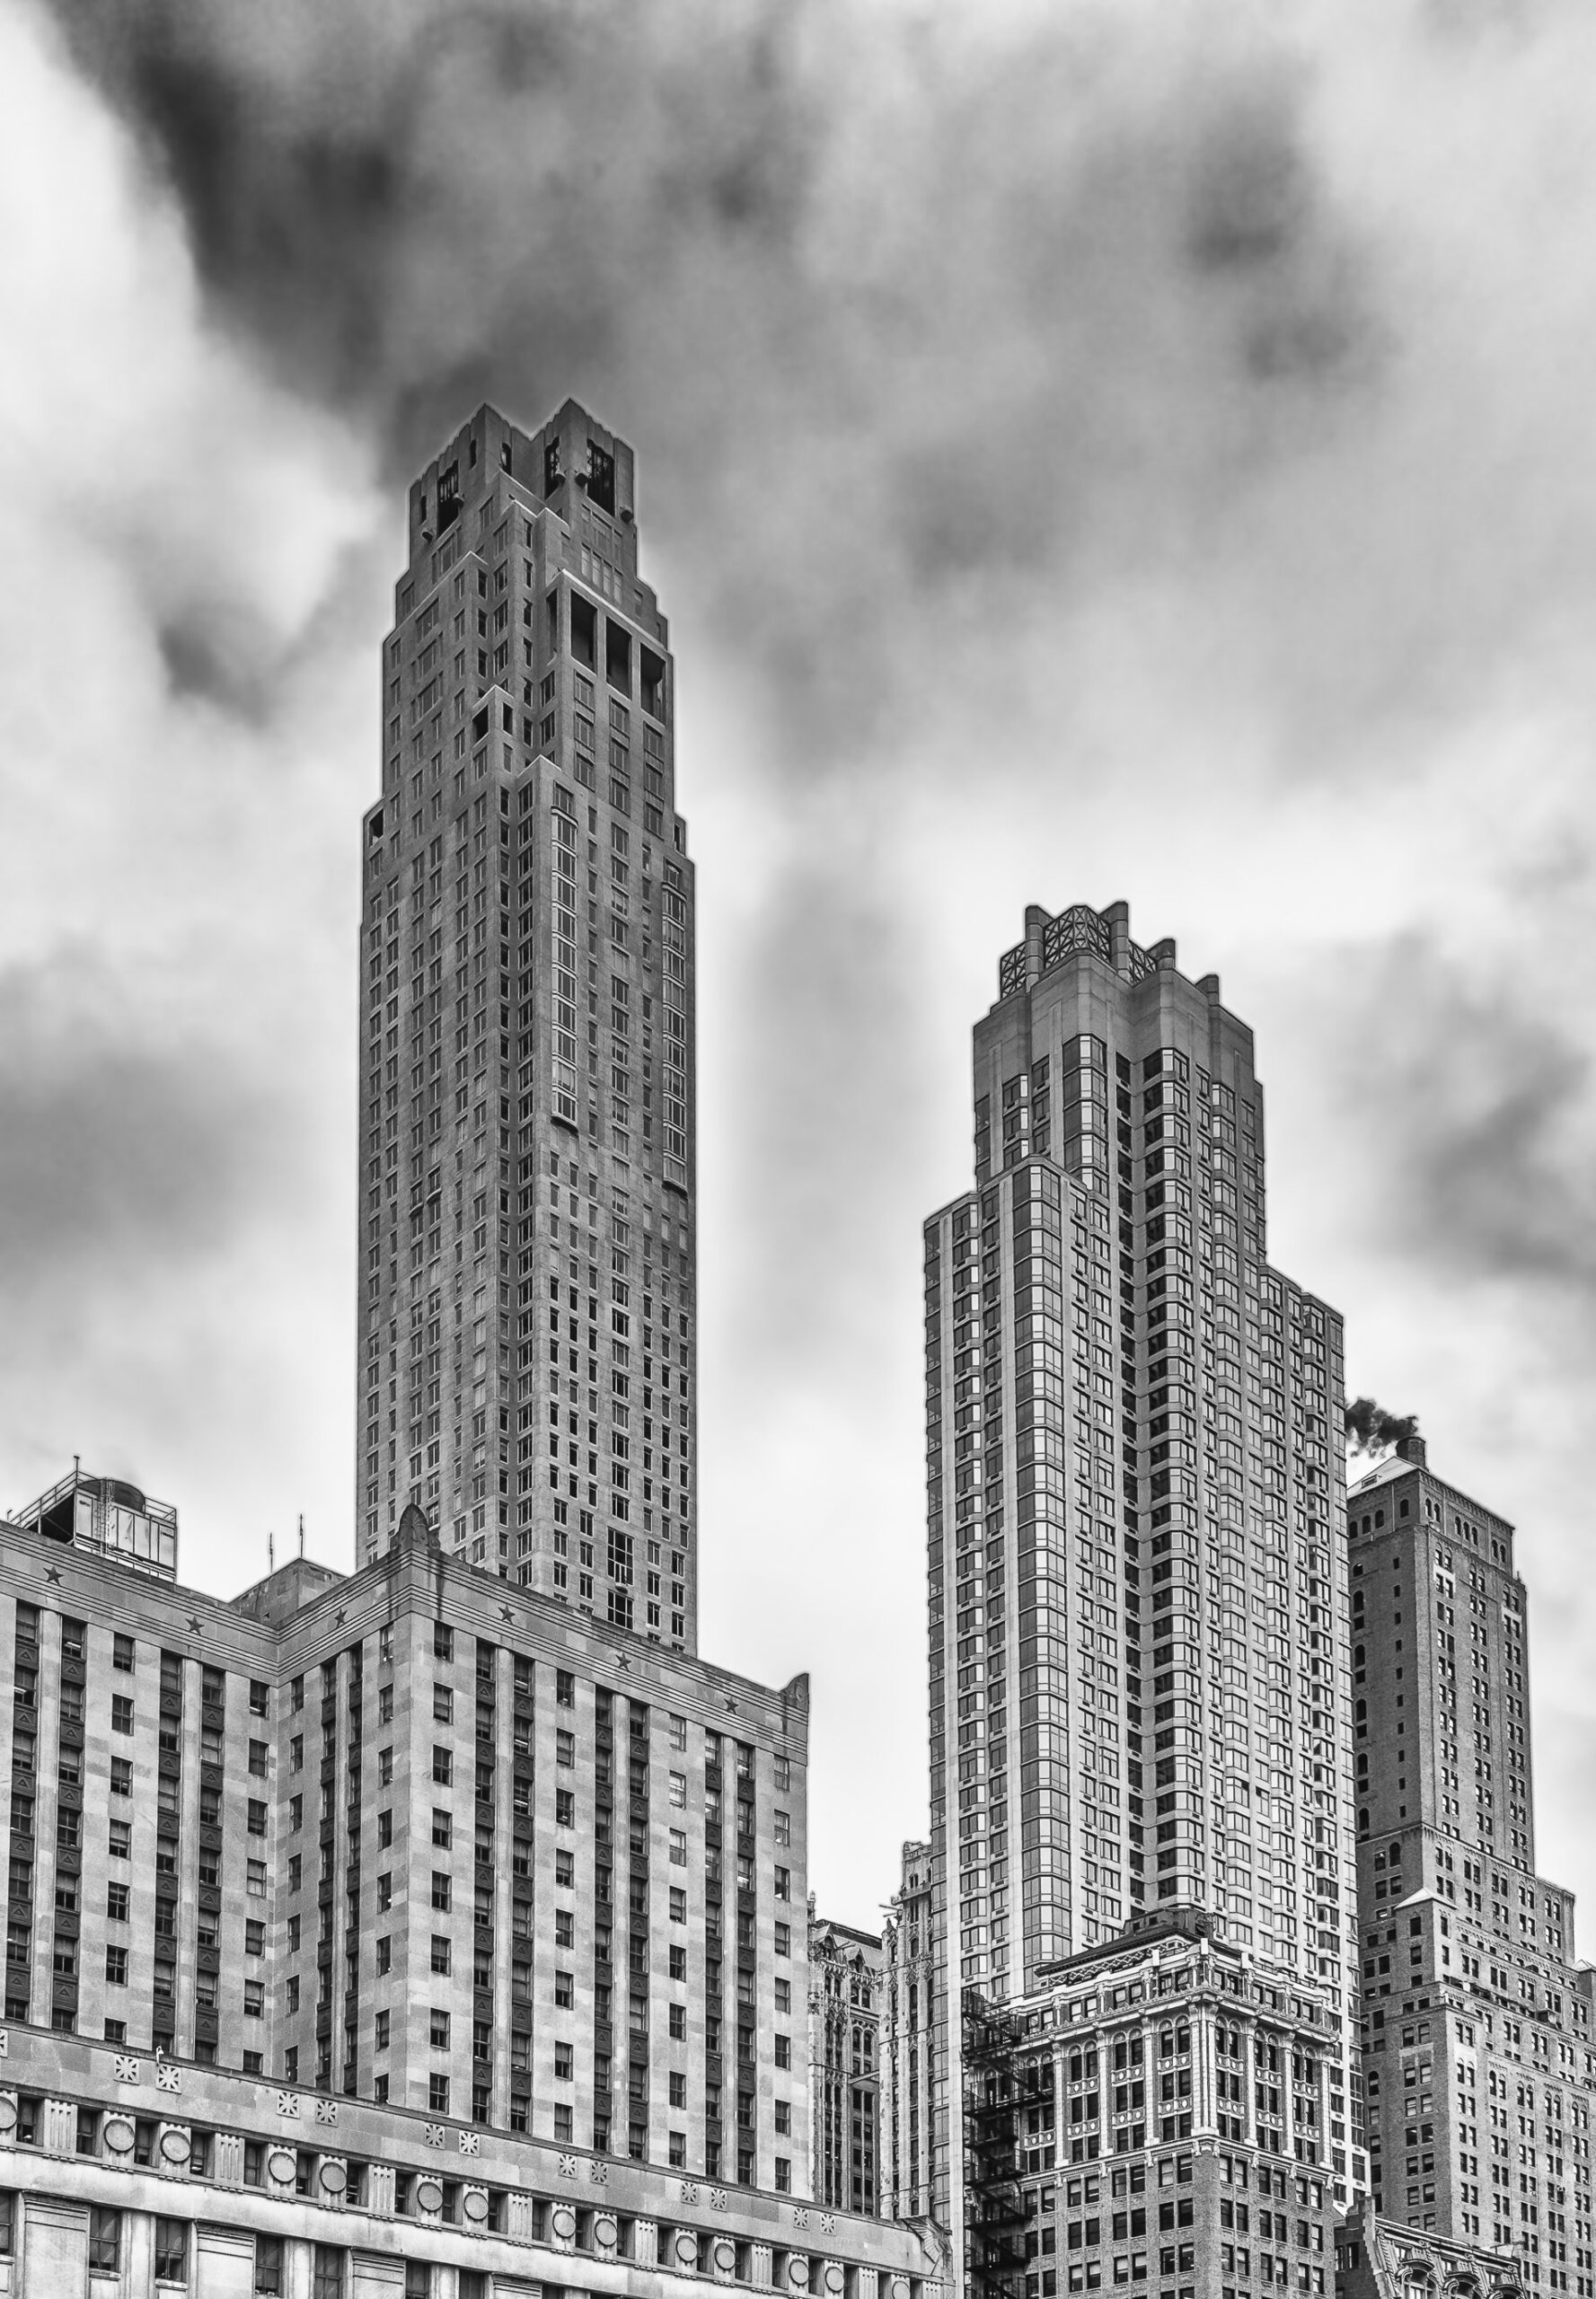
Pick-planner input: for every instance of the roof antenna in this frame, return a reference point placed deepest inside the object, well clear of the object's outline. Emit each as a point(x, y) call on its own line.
point(302, 1535)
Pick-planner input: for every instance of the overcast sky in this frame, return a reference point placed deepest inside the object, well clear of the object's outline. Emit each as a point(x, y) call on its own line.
point(1085, 451)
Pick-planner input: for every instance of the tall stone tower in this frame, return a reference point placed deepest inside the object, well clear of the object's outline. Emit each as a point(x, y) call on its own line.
point(526, 1310)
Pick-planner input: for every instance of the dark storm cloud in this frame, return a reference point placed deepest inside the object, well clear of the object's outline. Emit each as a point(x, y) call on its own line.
point(115, 1152)
point(867, 290)
point(1482, 1107)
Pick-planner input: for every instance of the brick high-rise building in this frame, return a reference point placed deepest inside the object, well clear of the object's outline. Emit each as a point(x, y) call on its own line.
point(1140, 1698)
point(528, 1236)
point(1477, 2034)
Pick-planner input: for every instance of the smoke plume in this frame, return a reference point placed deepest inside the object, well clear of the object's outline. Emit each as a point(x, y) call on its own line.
point(1373, 1430)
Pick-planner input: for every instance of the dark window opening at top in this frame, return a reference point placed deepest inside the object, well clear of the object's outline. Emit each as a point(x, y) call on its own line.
point(504, 456)
point(472, 444)
point(552, 474)
point(421, 507)
point(583, 632)
point(448, 496)
point(653, 674)
point(617, 657)
point(601, 477)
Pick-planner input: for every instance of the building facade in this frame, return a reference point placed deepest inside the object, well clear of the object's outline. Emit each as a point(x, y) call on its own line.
point(906, 2041)
point(1151, 2117)
point(527, 1364)
point(411, 1838)
point(847, 1990)
point(1377, 2258)
point(1478, 2036)
point(1139, 1664)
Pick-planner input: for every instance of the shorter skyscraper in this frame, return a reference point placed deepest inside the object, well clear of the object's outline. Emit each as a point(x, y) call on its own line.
point(1152, 2117)
point(846, 1992)
point(906, 2042)
point(394, 1932)
point(1383, 2259)
point(1478, 2046)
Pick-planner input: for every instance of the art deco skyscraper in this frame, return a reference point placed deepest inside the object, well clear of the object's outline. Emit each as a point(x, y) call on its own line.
point(527, 1240)
point(1478, 2030)
point(1139, 1692)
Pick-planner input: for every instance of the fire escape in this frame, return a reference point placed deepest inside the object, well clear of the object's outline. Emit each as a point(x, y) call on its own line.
point(998, 2089)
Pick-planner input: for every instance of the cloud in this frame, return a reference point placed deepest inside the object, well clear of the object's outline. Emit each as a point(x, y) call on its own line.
point(118, 1153)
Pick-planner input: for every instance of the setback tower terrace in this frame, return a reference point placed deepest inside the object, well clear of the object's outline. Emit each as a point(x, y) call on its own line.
point(527, 1239)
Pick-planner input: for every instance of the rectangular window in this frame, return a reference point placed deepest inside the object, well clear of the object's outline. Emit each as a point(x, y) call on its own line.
point(116, 1966)
point(121, 1654)
point(121, 1713)
point(121, 1839)
point(105, 2241)
point(170, 2249)
point(327, 2273)
point(440, 1889)
point(269, 2267)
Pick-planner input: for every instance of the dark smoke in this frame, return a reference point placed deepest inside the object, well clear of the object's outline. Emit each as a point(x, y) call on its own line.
point(1373, 1430)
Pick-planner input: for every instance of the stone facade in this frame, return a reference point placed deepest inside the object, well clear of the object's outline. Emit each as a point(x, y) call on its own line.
point(124, 2174)
point(527, 1294)
point(906, 2042)
point(847, 1990)
point(419, 1838)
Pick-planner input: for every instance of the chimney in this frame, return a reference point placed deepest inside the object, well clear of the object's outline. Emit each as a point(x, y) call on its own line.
point(1411, 1448)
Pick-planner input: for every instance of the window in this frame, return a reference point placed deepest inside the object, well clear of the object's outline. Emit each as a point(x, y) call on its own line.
point(440, 1951)
point(105, 2241)
point(254, 1999)
point(676, 1731)
point(256, 1819)
point(784, 2051)
point(678, 1903)
point(678, 1963)
point(438, 2031)
point(121, 1839)
point(255, 1937)
point(783, 1996)
point(384, 1767)
point(783, 1826)
point(258, 1758)
point(564, 2063)
point(383, 2030)
point(678, 1848)
point(678, 2023)
point(258, 1695)
point(442, 1704)
point(564, 1990)
point(269, 2267)
point(783, 1883)
point(255, 1879)
point(443, 1828)
point(327, 2275)
point(121, 1654)
point(384, 1828)
point(172, 2250)
point(565, 1808)
point(784, 1939)
point(783, 2175)
point(385, 1704)
point(384, 1955)
point(443, 1767)
point(441, 1894)
point(783, 1775)
point(443, 1641)
point(565, 1688)
point(122, 1775)
point(122, 1713)
point(116, 1964)
point(678, 1789)
point(438, 2094)
point(564, 1928)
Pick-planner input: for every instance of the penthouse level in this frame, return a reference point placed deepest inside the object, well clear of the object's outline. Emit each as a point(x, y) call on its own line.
point(417, 1837)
